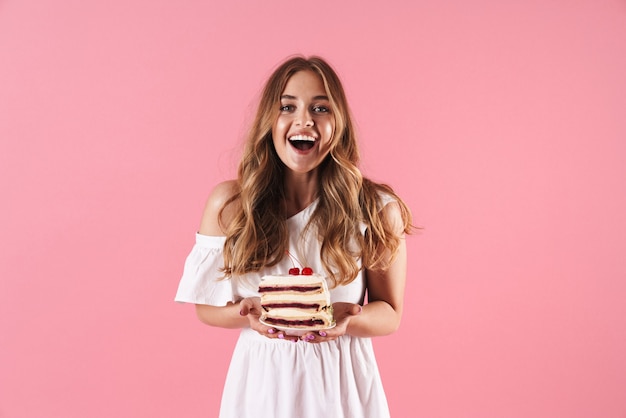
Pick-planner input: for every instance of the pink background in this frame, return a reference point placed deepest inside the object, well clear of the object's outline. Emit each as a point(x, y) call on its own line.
point(502, 123)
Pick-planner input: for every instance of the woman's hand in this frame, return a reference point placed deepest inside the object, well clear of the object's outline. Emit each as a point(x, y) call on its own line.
point(343, 313)
point(251, 308)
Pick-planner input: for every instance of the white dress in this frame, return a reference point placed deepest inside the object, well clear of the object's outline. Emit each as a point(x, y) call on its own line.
point(282, 379)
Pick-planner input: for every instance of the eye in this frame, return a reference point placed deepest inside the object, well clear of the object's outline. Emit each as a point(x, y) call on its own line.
point(321, 109)
point(287, 108)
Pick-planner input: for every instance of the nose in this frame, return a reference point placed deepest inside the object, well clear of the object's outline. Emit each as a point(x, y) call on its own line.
point(304, 118)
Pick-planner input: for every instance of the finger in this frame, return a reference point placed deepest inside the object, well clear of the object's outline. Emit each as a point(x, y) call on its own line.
point(285, 337)
point(272, 333)
point(247, 306)
point(355, 310)
point(244, 308)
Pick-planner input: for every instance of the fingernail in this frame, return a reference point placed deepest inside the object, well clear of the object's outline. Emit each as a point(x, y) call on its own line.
point(281, 336)
point(241, 313)
point(271, 331)
point(322, 333)
point(310, 337)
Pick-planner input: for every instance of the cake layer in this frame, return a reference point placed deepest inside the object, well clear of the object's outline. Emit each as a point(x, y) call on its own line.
point(287, 279)
point(266, 288)
point(296, 318)
point(291, 304)
point(299, 323)
point(290, 300)
point(293, 284)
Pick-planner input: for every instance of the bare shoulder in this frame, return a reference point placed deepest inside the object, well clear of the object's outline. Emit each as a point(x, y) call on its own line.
point(393, 214)
point(221, 194)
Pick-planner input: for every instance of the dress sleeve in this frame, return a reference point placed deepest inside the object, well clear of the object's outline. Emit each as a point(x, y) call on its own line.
point(385, 199)
point(202, 281)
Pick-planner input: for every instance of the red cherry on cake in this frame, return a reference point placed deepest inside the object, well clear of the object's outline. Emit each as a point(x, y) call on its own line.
point(307, 271)
point(294, 271)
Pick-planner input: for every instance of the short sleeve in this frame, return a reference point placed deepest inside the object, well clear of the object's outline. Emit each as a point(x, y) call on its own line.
point(202, 281)
point(385, 199)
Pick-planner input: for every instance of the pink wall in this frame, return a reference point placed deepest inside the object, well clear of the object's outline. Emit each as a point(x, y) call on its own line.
point(503, 124)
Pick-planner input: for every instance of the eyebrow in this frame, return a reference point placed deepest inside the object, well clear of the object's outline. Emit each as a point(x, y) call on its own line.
point(290, 97)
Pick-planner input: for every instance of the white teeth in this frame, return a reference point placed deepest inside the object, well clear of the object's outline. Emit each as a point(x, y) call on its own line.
point(301, 138)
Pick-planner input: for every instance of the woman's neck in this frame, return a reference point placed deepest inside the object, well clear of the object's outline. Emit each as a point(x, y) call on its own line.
point(300, 191)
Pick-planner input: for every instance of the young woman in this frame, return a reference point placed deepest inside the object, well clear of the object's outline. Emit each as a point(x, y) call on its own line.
point(300, 198)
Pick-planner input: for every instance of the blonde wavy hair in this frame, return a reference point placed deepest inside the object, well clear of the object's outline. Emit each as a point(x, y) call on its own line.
point(257, 235)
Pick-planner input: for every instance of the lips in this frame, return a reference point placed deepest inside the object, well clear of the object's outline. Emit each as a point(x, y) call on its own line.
point(302, 142)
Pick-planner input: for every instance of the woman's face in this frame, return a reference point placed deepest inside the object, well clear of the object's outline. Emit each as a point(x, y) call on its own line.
point(305, 125)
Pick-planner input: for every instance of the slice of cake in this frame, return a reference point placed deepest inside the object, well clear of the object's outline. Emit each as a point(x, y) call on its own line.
point(296, 301)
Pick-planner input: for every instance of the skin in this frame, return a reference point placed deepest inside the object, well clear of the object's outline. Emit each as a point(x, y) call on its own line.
point(305, 110)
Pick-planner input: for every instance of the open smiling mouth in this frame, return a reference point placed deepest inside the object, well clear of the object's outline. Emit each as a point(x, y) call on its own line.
point(302, 142)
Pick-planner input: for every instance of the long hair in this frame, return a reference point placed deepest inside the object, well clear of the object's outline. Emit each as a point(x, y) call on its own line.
point(257, 236)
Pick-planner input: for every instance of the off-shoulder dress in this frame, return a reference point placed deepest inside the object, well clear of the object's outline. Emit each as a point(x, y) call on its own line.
point(282, 379)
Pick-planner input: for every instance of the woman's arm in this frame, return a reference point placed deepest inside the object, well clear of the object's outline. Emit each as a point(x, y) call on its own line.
point(222, 316)
point(244, 314)
point(385, 289)
point(219, 316)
